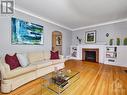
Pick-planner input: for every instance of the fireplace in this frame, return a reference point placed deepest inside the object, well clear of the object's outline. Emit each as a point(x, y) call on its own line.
point(90, 54)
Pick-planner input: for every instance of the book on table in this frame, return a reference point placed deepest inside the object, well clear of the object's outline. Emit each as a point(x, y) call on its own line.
point(60, 81)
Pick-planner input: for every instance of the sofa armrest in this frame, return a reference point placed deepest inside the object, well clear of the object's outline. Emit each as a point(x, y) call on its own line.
point(3, 68)
point(7, 67)
point(2, 71)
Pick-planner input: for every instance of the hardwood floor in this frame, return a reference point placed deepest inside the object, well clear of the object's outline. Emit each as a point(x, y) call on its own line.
point(95, 79)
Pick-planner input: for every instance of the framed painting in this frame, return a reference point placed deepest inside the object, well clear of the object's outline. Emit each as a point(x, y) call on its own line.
point(26, 33)
point(90, 37)
point(58, 40)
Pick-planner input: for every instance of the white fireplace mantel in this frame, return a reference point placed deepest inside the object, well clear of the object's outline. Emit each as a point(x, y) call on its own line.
point(100, 47)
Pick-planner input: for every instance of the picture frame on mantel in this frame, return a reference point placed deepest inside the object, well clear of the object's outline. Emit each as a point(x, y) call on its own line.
point(90, 37)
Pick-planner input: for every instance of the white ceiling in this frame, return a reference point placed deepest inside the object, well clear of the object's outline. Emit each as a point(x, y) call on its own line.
point(75, 14)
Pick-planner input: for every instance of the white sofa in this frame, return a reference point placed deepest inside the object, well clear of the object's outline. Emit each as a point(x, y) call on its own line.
point(39, 65)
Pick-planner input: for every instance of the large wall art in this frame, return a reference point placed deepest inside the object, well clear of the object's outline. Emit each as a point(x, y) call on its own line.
point(26, 33)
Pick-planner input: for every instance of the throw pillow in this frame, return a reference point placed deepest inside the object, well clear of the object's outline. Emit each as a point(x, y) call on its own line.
point(23, 59)
point(12, 61)
point(54, 55)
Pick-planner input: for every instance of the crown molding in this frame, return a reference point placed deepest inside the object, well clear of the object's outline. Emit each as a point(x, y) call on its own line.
point(101, 24)
point(41, 18)
point(62, 26)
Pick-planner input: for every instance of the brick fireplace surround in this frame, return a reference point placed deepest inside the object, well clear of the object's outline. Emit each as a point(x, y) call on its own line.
point(90, 49)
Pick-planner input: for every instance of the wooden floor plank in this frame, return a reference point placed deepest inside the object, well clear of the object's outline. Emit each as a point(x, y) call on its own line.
point(97, 79)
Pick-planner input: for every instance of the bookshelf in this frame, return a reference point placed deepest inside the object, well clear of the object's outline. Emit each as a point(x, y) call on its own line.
point(111, 55)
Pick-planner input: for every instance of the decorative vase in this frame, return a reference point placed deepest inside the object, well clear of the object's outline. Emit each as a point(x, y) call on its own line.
point(125, 41)
point(111, 42)
point(118, 41)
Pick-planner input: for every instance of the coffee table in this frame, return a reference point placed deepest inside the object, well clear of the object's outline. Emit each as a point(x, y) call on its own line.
point(60, 80)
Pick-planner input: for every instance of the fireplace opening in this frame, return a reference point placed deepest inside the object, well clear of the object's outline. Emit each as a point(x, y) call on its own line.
point(90, 56)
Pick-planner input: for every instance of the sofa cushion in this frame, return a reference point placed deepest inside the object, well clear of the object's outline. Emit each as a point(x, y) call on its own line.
point(35, 56)
point(41, 64)
point(56, 61)
point(54, 55)
point(46, 55)
point(23, 59)
point(12, 61)
point(19, 71)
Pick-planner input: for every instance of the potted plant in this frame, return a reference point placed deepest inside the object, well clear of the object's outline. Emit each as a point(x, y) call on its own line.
point(125, 41)
point(118, 41)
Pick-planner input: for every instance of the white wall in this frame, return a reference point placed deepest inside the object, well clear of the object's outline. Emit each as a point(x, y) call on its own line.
point(121, 56)
point(114, 30)
point(5, 35)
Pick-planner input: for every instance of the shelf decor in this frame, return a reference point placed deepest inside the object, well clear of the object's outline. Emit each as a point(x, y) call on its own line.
point(111, 42)
point(79, 40)
point(125, 41)
point(90, 37)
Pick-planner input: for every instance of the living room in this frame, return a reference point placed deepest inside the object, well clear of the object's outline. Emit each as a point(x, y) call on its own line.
point(88, 39)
